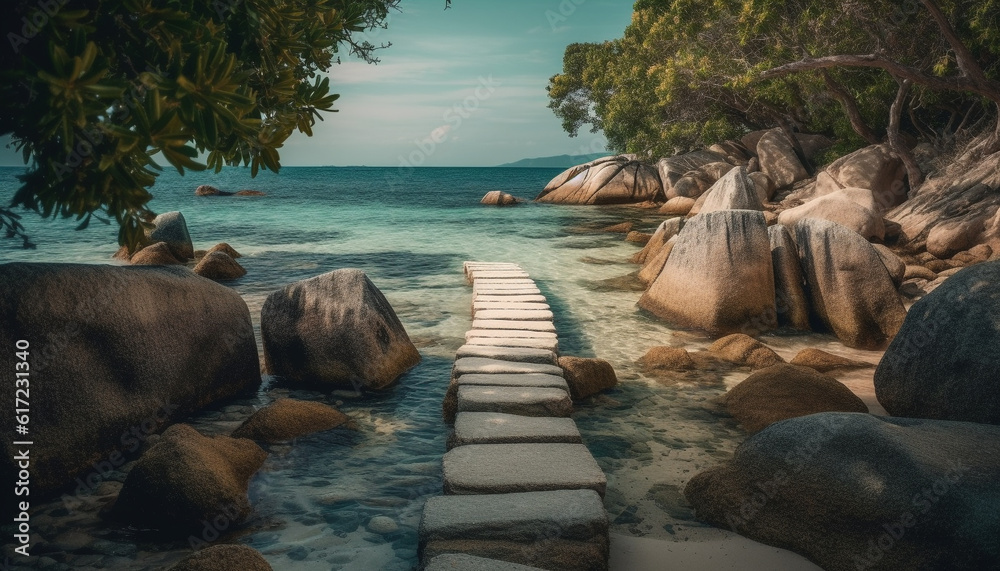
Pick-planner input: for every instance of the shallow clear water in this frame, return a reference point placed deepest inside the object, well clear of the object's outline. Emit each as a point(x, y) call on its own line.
point(411, 231)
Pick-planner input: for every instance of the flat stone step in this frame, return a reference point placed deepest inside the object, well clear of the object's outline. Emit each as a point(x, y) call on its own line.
point(509, 305)
point(498, 289)
point(516, 314)
point(578, 514)
point(526, 401)
point(513, 380)
point(510, 333)
point(520, 354)
point(471, 365)
point(511, 298)
point(505, 281)
point(534, 343)
point(490, 265)
point(497, 274)
point(464, 562)
point(501, 428)
point(508, 468)
point(513, 324)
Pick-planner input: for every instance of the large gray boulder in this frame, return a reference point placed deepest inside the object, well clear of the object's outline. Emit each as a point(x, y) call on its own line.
point(733, 191)
point(673, 169)
point(609, 180)
point(850, 288)
point(854, 491)
point(116, 353)
point(335, 329)
point(719, 276)
point(170, 227)
point(854, 208)
point(945, 361)
point(790, 294)
point(778, 159)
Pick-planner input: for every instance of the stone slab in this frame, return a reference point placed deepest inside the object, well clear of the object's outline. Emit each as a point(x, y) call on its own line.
point(518, 333)
point(500, 428)
point(526, 401)
point(578, 514)
point(520, 354)
point(508, 468)
point(480, 304)
point(470, 365)
point(495, 281)
point(511, 298)
point(534, 343)
point(513, 380)
point(477, 274)
point(513, 324)
point(464, 562)
point(515, 314)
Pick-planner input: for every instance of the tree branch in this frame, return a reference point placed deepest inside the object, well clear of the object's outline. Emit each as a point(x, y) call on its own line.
point(990, 90)
point(850, 105)
point(896, 142)
point(966, 61)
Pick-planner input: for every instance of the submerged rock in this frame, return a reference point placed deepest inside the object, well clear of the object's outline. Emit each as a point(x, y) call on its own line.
point(787, 391)
point(849, 286)
point(825, 362)
point(122, 350)
point(158, 254)
point(666, 359)
point(223, 558)
point(853, 491)
point(335, 329)
point(945, 361)
point(226, 249)
point(718, 277)
point(285, 419)
point(186, 479)
point(609, 180)
point(219, 266)
point(587, 377)
point(497, 198)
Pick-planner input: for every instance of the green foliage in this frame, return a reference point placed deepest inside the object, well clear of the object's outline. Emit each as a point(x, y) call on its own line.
point(686, 73)
point(100, 95)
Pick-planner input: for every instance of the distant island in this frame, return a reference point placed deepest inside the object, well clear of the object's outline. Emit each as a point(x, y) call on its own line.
point(560, 161)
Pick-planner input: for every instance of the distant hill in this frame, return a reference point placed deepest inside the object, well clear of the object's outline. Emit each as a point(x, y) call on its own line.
point(561, 161)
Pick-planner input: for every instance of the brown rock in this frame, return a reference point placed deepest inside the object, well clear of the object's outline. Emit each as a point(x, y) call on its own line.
point(653, 267)
point(638, 237)
point(719, 276)
point(825, 362)
point(220, 267)
point(285, 419)
point(745, 350)
point(673, 169)
point(209, 190)
point(893, 264)
point(975, 255)
point(734, 191)
point(186, 479)
point(950, 237)
point(587, 377)
point(158, 254)
point(763, 185)
point(250, 193)
point(790, 294)
point(226, 249)
point(875, 168)
point(122, 254)
point(223, 558)
point(849, 286)
point(170, 227)
point(845, 207)
point(677, 206)
point(939, 266)
point(623, 228)
point(666, 359)
point(912, 272)
point(787, 391)
point(664, 232)
point(778, 159)
point(335, 329)
point(497, 198)
point(609, 180)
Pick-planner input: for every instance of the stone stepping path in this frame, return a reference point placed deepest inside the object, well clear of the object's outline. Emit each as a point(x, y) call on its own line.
point(521, 490)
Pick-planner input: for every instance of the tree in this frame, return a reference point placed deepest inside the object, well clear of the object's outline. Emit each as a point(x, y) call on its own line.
point(698, 71)
point(100, 95)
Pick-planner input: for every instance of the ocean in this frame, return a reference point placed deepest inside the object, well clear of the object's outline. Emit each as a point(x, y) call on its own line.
point(410, 230)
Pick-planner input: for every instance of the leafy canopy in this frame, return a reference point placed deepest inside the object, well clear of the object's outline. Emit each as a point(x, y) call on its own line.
point(689, 73)
point(100, 95)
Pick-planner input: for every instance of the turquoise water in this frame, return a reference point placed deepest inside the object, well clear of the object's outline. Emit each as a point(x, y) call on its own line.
point(411, 231)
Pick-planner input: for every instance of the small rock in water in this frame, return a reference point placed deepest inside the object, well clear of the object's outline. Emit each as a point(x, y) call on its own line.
point(382, 525)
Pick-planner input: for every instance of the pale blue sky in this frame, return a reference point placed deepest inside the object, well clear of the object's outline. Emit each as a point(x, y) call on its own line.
point(458, 87)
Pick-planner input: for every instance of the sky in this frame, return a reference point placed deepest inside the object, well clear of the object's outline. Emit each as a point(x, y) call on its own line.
point(458, 87)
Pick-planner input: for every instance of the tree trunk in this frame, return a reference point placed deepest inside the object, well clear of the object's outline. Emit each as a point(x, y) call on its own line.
point(896, 143)
point(850, 105)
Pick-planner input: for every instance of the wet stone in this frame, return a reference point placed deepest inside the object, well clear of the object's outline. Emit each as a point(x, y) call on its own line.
point(508, 468)
point(524, 401)
point(500, 428)
point(520, 354)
